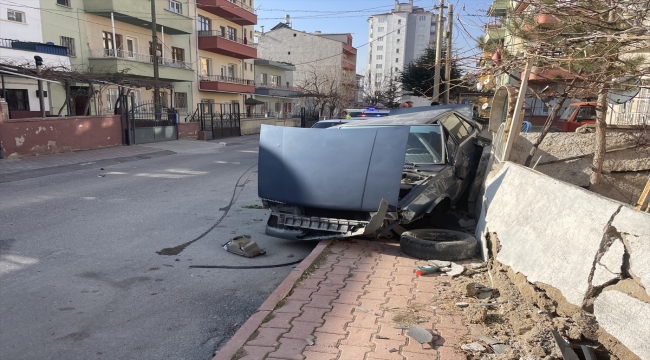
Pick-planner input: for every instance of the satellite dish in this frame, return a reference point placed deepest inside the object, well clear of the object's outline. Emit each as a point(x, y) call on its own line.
point(485, 106)
point(479, 86)
point(629, 88)
point(486, 81)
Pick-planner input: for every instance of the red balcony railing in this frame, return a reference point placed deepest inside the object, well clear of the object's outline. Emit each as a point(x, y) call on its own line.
point(217, 43)
point(219, 83)
point(236, 11)
point(349, 49)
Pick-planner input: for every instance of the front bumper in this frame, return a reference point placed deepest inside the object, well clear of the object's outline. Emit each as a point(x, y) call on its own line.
point(296, 227)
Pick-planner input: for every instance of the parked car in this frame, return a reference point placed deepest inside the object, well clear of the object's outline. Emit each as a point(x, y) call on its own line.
point(576, 115)
point(365, 177)
point(368, 113)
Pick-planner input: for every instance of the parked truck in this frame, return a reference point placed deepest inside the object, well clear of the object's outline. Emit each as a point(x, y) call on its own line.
point(576, 115)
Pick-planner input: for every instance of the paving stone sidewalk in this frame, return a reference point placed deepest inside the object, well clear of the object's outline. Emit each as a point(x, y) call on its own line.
point(347, 305)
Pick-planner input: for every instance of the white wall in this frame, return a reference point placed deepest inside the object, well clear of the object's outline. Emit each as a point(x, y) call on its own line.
point(591, 249)
point(31, 86)
point(30, 30)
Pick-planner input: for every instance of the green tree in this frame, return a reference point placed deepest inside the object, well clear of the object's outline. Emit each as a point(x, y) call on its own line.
point(418, 77)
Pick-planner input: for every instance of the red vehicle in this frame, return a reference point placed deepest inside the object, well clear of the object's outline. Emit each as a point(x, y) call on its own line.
point(576, 115)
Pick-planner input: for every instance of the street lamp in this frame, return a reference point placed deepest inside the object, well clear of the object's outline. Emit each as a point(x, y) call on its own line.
point(39, 63)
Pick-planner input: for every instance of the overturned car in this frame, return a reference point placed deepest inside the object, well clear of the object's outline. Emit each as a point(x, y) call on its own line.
point(366, 177)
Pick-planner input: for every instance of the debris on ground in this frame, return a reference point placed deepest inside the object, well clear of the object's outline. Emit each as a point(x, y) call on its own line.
point(476, 347)
point(244, 246)
point(420, 335)
point(456, 270)
point(310, 342)
point(426, 270)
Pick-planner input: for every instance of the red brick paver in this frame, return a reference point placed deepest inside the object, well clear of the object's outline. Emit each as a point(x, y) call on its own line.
point(346, 309)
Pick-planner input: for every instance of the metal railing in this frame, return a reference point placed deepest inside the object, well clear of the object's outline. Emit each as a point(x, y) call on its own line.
point(6, 43)
point(275, 86)
point(143, 58)
point(227, 79)
point(498, 143)
point(635, 112)
point(243, 5)
point(218, 33)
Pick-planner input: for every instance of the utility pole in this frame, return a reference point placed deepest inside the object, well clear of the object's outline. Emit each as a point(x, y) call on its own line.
point(450, 19)
point(436, 79)
point(41, 100)
point(154, 52)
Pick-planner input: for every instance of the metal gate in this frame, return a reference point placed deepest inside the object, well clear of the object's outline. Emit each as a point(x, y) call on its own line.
point(148, 122)
point(307, 120)
point(220, 120)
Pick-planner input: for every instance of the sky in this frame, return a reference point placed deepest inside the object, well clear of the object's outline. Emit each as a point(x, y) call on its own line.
point(343, 16)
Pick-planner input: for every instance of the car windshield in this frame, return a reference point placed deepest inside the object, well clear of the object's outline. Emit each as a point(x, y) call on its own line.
point(424, 145)
point(567, 113)
point(325, 125)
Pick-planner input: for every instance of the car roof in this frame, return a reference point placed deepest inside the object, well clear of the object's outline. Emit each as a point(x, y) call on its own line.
point(415, 118)
point(334, 120)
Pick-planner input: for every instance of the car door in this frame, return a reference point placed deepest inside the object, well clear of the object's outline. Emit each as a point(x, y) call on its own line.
point(460, 158)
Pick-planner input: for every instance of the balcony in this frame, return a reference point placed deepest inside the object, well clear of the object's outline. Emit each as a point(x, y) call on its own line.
point(139, 14)
point(108, 60)
point(349, 64)
point(277, 90)
point(234, 10)
point(213, 41)
point(219, 83)
point(498, 8)
point(35, 47)
point(494, 33)
point(348, 49)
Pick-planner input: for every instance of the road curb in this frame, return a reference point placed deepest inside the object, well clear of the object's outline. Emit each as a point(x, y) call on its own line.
point(254, 321)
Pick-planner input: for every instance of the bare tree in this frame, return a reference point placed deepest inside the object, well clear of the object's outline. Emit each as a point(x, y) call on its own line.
point(591, 47)
point(328, 89)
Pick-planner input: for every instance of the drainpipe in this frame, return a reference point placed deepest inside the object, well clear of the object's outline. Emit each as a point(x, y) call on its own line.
point(113, 27)
point(162, 40)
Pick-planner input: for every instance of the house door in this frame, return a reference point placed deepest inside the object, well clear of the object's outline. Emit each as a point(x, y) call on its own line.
point(131, 47)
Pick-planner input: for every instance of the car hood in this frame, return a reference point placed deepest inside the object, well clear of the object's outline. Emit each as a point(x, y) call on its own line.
point(338, 169)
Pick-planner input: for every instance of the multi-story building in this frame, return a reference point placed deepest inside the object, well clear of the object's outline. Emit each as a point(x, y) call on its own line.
point(274, 88)
point(223, 38)
point(115, 36)
point(22, 39)
point(326, 56)
point(397, 38)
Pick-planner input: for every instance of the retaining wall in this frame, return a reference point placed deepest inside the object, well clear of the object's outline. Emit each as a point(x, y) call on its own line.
point(584, 251)
point(39, 136)
point(189, 130)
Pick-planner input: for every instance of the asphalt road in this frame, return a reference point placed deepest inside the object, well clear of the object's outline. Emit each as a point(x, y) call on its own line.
point(80, 276)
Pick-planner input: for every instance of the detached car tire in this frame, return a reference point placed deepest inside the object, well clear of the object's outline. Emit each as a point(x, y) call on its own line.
point(437, 244)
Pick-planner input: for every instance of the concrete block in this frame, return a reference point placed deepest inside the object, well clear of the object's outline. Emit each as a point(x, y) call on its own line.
point(558, 225)
point(609, 266)
point(625, 318)
point(634, 227)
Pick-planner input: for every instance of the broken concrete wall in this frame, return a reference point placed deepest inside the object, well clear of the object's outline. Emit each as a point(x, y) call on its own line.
point(622, 168)
point(582, 249)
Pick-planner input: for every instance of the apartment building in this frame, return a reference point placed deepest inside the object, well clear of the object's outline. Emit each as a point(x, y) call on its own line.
point(115, 37)
point(275, 93)
point(326, 54)
point(225, 52)
point(22, 39)
point(397, 38)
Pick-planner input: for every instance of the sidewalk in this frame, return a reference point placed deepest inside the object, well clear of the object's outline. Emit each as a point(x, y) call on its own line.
point(348, 302)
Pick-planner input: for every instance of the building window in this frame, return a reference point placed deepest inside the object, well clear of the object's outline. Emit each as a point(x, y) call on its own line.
point(17, 16)
point(178, 54)
point(422, 18)
point(276, 80)
point(381, 38)
point(420, 47)
point(396, 69)
point(232, 71)
point(396, 60)
point(399, 31)
point(399, 21)
point(107, 37)
point(206, 68)
point(231, 34)
point(175, 6)
point(180, 100)
point(17, 99)
point(265, 79)
point(68, 42)
point(397, 51)
point(380, 29)
point(398, 41)
point(421, 28)
point(380, 57)
point(63, 2)
point(378, 76)
point(420, 37)
point(111, 98)
point(380, 48)
point(378, 66)
point(203, 23)
point(381, 20)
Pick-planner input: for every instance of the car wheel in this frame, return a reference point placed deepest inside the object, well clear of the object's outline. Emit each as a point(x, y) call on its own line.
point(436, 244)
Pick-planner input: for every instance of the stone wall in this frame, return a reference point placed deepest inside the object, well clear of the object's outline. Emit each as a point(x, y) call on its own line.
point(39, 136)
point(586, 253)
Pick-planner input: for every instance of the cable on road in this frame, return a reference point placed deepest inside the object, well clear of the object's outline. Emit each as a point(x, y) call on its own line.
point(243, 267)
